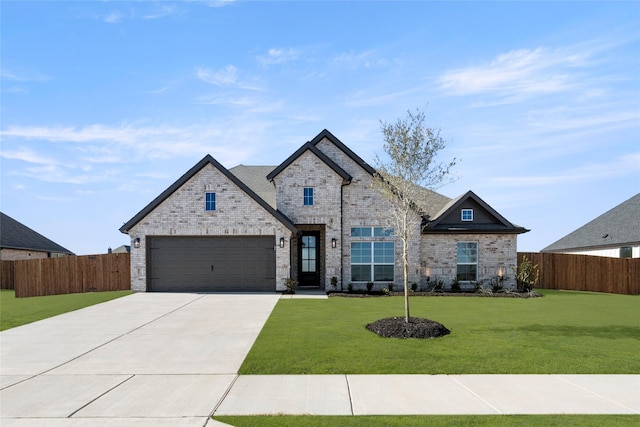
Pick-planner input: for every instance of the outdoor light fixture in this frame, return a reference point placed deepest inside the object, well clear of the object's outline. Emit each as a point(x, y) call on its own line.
point(428, 274)
point(282, 242)
point(136, 243)
point(333, 243)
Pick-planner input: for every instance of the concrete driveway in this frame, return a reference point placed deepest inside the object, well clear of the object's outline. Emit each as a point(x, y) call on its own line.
point(146, 359)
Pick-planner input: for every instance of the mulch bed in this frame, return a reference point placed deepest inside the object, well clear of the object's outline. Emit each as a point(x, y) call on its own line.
point(358, 294)
point(396, 327)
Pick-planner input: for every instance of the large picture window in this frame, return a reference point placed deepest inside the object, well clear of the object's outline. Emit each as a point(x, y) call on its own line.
point(372, 261)
point(467, 261)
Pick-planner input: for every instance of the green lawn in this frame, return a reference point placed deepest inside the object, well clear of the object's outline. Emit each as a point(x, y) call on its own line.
point(564, 332)
point(435, 421)
point(19, 311)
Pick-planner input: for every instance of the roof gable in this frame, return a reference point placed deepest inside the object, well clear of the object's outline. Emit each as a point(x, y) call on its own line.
point(485, 218)
point(15, 235)
point(316, 151)
point(618, 226)
point(207, 160)
point(346, 150)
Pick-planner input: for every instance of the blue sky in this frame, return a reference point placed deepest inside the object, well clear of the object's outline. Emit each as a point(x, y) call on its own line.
point(106, 104)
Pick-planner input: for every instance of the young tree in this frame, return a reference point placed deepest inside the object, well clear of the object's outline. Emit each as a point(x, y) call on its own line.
point(410, 167)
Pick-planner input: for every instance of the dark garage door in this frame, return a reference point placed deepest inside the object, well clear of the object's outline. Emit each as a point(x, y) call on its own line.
point(212, 264)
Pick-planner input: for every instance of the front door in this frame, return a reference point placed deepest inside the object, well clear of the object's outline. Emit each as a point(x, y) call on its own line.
point(309, 256)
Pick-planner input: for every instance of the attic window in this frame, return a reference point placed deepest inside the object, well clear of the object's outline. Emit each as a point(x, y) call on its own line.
point(308, 196)
point(467, 215)
point(210, 201)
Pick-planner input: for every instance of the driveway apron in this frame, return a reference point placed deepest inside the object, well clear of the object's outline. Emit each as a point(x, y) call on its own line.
point(145, 359)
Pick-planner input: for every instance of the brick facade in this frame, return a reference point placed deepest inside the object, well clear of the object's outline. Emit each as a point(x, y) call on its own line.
point(496, 252)
point(183, 214)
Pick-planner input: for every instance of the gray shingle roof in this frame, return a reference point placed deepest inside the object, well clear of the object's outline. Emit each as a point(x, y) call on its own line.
point(617, 227)
point(255, 177)
point(15, 235)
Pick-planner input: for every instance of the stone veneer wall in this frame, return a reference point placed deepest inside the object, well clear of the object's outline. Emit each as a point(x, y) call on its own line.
point(183, 214)
point(439, 256)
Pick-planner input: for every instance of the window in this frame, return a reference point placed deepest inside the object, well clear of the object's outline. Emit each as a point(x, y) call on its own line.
point(210, 201)
point(371, 231)
point(372, 261)
point(467, 261)
point(467, 214)
point(626, 252)
point(308, 196)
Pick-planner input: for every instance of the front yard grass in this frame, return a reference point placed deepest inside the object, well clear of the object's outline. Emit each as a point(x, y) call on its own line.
point(562, 333)
point(19, 311)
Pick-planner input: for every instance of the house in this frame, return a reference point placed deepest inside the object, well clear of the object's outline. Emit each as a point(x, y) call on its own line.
point(614, 234)
point(17, 241)
point(315, 217)
point(122, 249)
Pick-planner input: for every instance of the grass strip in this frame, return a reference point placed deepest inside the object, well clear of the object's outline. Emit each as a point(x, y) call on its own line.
point(433, 421)
point(20, 311)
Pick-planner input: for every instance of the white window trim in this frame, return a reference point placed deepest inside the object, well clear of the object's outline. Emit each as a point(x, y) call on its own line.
point(469, 263)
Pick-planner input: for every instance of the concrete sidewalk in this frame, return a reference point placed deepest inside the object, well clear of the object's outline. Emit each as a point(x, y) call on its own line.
point(172, 360)
point(432, 395)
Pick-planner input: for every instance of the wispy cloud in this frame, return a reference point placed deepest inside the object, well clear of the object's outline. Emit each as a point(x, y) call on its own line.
point(219, 3)
point(279, 56)
point(226, 76)
point(161, 12)
point(367, 59)
point(114, 17)
point(619, 166)
point(112, 144)
point(22, 76)
point(517, 74)
point(26, 154)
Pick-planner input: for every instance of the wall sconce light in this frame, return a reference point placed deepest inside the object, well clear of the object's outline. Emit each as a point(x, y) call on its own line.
point(136, 243)
point(501, 274)
point(427, 272)
point(334, 243)
point(282, 242)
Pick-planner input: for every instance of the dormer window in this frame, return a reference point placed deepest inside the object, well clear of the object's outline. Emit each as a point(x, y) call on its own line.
point(467, 215)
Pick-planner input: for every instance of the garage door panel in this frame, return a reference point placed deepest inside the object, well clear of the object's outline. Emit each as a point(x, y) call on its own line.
point(212, 264)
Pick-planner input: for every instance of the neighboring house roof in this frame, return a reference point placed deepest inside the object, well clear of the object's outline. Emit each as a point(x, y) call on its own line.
point(617, 227)
point(315, 150)
point(208, 159)
point(121, 249)
point(14, 235)
point(256, 179)
point(488, 220)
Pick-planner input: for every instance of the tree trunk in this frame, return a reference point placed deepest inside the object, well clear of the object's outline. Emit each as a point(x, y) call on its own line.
point(405, 262)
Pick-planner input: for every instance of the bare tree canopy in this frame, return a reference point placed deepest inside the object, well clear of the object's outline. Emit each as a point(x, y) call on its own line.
point(412, 148)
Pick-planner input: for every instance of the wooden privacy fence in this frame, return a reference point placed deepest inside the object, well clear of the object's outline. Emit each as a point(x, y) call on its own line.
point(6, 275)
point(72, 274)
point(586, 272)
